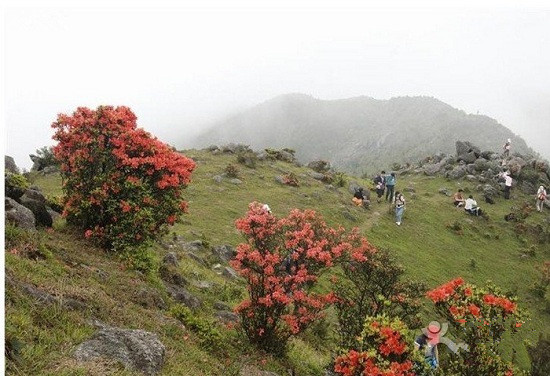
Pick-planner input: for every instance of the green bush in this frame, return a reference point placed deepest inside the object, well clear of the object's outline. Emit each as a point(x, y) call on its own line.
point(232, 171)
point(209, 335)
point(15, 185)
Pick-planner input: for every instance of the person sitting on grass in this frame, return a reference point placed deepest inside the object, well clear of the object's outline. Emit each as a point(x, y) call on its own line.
point(361, 198)
point(458, 198)
point(471, 207)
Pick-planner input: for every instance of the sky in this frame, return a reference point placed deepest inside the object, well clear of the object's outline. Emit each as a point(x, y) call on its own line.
point(181, 68)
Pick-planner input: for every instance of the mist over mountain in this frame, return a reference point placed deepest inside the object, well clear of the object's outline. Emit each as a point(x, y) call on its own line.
point(360, 134)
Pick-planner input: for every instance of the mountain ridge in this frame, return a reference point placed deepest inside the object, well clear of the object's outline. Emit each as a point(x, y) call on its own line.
point(359, 134)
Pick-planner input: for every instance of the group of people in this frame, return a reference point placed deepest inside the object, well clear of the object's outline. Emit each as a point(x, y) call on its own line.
point(469, 204)
point(383, 183)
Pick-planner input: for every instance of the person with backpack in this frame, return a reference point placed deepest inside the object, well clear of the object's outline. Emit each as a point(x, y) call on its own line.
point(541, 197)
point(390, 185)
point(399, 207)
point(506, 147)
point(380, 184)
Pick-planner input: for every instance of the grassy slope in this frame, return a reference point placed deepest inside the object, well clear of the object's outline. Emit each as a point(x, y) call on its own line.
point(426, 247)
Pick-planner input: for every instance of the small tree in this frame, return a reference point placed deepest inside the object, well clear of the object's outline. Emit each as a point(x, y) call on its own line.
point(481, 316)
point(281, 262)
point(373, 287)
point(385, 349)
point(44, 157)
point(122, 186)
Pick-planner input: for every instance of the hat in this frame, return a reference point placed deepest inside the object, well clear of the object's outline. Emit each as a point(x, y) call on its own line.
point(509, 140)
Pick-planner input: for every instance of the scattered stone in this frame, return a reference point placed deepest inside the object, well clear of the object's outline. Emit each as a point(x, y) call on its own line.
point(203, 285)
point(456, 173)
point(44, 297)
point(135, 349)
point(444, 191)
point(319, 166)
point(169, 273)
point(250, 370)
point(149, 298)
point(471, 178)
point(317, 175)
point(221, 306)
point(431, 169)
point(181, 295)
point(218, 178)
point(230, 273)
point(212, 148)
point(224, 252)
point(236, 181)
point(19, 215)
point(196, 258)
point(279, 179)
point(194, 246)
point(36, 202)
point(171, 258)
point(227, 317)
point(9, 165)
point(353, 187)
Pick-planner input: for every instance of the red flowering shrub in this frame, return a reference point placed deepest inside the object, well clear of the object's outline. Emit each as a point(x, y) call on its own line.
point(281, 263)
point(373, 287)
point(480, 317)
point(122, 186)
point(385, 350)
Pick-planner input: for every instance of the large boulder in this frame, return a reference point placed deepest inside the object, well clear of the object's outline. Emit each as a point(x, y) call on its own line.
point(36, 202)
point(515, 164)
point(490, 192)
point(457, 172)
point(467, 157)
point(181, 295)
point(224, 252)
point(431, 169)
point(481, 164)
point(319, 166)
point(19, 215)
point(136, 349)
point(465, 147)
point(9, 165)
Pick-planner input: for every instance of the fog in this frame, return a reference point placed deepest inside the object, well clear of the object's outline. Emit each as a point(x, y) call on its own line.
point(181, 69)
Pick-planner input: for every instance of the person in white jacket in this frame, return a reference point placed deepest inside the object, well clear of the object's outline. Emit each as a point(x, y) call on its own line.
point(541, 197)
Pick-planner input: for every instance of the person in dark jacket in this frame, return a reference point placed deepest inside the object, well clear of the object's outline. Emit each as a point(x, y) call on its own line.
point(380, 184)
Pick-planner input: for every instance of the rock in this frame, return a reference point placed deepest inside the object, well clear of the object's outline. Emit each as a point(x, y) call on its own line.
point(171, 258)
point(218, 178)
point(236, 181)
point(221, 306)
point(528, 187)
point(471, 169)
point(36, 202)
point(319, 166)
point(203, 285)
point(488, 155)
point(224, 252)
point(44, 297)
point(467, 158)
point(490, 192)
point(227, 317)
point(9, 165)
point(212, 148)
point(317, 175)
point(135, 349)
point(55, 215)
point(353, 187)
point(19, 215)
point(262, 155)
point(465, 147)
point(471, 178)
point(279, 179)
point(444, 191)
point(194, 246)
point(456, 173)
point(515, 164)
point(169, 273)
point(149, 298)
point(431, 169)
point(286, 156)
point(230, 273)
point(195, 257)
point(481, 164)
point(181, 295)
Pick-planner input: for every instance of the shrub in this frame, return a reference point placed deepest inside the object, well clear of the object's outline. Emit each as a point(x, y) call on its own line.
point(540, 287)
point(122, 186)
point(373, 287)
point(232, 171)
point(44, 157)
point(481, 316)
point(281, 263)
point(339, 180)
point(15, 185)
point(209, 335)
point(385, 350)
point(248, 158)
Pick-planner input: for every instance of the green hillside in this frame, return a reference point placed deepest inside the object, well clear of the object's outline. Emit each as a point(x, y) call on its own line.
point(435, 243)
point(360, 134)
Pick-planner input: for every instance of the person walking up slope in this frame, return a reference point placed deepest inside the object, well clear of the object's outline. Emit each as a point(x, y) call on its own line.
point(390, 185)
point(507, 185)
point(541, 197)
point(399, 207)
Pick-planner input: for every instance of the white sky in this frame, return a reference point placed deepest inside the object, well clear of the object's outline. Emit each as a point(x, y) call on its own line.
point(179, 68)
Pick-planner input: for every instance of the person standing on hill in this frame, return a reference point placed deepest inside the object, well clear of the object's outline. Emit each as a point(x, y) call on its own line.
point(541, 197)
point(380, 184)
point(507, 185)
point(390, 185)
point(506, 147)
point(399, 207)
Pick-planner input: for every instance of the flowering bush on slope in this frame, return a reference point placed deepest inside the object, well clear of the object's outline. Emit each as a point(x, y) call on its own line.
point(122, 186)
point(480, 317)
point(281, 263)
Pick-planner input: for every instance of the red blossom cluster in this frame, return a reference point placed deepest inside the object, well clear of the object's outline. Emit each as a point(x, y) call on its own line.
point(122, 185)
point(362, 364)
point(445, 291)
point(281, 263)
